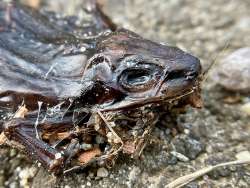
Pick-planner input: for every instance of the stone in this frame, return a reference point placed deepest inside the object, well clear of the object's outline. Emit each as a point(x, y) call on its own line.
point(102, 172)
point(25, 175)
point(133, 174)
point(223, 171)
point(88, 184)
point(233, 72)
point(243, 155)
point(246, 108)
point(180, 156)
point(188, 147)
point(192, 185)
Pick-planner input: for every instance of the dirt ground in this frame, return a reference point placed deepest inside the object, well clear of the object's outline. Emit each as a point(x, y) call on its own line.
point(216, 133)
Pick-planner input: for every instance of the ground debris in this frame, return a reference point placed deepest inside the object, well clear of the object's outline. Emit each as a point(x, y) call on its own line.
point(86, 156)
point(102, 172)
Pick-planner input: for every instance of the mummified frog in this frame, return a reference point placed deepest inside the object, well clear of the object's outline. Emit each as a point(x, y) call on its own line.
point(89, 90)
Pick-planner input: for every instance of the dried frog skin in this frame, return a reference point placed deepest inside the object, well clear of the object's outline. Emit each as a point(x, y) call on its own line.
point(89, 91)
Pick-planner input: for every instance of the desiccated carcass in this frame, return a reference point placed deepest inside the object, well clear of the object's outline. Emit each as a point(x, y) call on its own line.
point(74, 94)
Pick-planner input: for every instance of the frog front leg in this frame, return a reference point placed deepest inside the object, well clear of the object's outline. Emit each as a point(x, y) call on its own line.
point(23, 132)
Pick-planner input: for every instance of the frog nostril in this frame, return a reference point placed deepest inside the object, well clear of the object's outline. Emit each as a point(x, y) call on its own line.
point(181, 74)
point(191, 75)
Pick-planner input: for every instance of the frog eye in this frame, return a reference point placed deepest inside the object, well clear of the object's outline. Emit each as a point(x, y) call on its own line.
point(138, 79)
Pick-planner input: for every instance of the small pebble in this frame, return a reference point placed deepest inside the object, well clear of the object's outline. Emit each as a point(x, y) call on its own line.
point(13, 185)
point(180, 156)
point(99, 139)
point(233, 72)
point(91, 175)
point(86, 146)
point(187, 131)
point(25, 176)
point(192, 185)
point(102, 172)
point(188, 146)
point(13, 152)
point(246, 108)
point(133, 174)
point(88, 184)
point(243, 155)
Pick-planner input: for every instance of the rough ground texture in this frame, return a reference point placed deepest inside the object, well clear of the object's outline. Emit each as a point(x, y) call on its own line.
point(217, 133)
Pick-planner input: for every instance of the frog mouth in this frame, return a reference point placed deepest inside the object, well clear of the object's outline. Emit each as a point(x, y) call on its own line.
point(129, 103)
point(190, 88)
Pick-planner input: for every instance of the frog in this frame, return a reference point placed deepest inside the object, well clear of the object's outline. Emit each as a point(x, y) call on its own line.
point(70, 90)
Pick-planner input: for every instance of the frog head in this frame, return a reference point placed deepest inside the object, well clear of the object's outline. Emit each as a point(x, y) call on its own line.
point(129, 70)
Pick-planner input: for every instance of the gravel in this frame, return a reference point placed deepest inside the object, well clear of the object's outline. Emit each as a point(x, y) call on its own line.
point(246, 108)
point(187, 146)
point(102, 172)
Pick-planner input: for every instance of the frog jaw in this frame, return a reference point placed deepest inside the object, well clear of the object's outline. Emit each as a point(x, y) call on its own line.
point(192, 97)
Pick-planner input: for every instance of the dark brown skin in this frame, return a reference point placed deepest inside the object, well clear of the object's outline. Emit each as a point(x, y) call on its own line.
point(46, 62)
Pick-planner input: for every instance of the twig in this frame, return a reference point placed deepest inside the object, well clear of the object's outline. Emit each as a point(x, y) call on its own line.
point(114, 133)
point(21, 112)
point(109, 126)
point(215, 61)
point(3, 138)
point(37, 119)
point(179, 182)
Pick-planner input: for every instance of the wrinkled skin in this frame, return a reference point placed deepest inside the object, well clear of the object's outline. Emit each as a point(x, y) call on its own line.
point(96, 67)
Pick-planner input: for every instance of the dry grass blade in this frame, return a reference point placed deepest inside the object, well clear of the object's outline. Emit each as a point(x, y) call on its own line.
point(109, 126)
point(215, 61)
point(190, 177)
point(3, 139)
point(21, 112)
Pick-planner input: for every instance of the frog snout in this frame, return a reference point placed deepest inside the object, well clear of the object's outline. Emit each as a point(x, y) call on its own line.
point(184, 69)
point(181, 76)
point(188, 67)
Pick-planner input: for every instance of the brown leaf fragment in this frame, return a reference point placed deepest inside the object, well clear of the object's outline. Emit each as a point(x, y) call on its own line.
point(129, 147)
point(33, 3)
point(3, 138)
point(87, 156)
point(195, 100)
point(232, 99)
point(63, 135)
point(56, 136)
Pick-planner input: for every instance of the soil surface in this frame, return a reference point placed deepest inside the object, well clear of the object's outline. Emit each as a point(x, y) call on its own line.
point(217, 133)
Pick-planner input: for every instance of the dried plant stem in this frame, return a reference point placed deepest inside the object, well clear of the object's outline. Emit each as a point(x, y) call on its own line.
point(215, 61)
point(113, 132)
point(109, 126)
point(21, 112)
point(190, 177)
point(3, 139)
